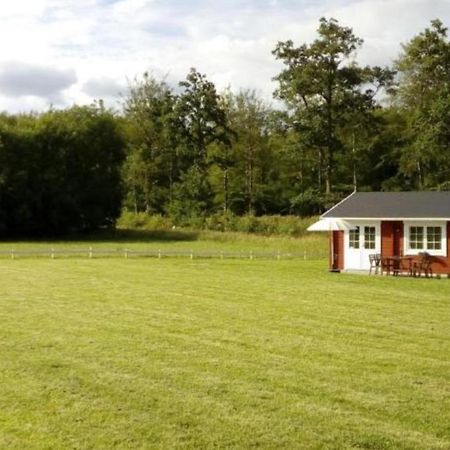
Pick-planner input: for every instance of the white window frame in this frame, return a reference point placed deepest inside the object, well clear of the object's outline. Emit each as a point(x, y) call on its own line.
point(374, 237)
point(412, 251)
point(358, 242)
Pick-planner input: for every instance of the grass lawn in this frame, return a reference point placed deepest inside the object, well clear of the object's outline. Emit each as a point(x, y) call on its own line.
point(174, 353)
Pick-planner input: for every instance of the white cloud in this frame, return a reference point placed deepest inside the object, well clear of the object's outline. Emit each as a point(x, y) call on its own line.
point(20, 8)
point(103, 87)
point(386, 24)
point(19, 79)
point(106, 42)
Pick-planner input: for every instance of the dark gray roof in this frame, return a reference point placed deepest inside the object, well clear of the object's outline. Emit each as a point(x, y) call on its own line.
point(401, 205)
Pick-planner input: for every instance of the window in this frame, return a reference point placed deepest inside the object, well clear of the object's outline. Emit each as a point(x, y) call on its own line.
point(429, 238)
point(416, 238)
point(353, 238)
point(434, 238)
point(369, 237)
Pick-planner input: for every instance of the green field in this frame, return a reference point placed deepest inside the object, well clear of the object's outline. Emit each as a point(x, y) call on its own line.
point(313, 244)
point(173, 353)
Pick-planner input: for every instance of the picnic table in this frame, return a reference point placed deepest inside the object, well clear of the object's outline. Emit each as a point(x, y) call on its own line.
point(397, 265)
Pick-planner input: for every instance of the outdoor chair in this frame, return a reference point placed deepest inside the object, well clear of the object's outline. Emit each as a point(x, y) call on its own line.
point(375, 263)
point(422, 265)
point(386, 265)
point(390, 265)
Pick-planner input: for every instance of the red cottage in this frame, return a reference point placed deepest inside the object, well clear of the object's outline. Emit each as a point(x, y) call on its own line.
point(391, 224)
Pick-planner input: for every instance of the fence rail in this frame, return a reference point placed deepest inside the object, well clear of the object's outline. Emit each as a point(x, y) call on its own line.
point(92, 252)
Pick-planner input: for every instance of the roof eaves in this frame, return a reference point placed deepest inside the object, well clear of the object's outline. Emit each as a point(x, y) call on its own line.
point(337, 204)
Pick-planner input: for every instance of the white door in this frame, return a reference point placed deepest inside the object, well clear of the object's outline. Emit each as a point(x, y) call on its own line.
point(361, 242)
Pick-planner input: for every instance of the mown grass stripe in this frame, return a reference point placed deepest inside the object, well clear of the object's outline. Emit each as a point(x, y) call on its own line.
point(196, 354)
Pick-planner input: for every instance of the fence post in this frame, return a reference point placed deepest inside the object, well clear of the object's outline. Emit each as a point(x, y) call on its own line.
point(126, 253)
point(12, 254)
point(192, 254)
point(159, 253)
point(52, 255)
point(279, 255)
point(90, 252)
point(304, 255)
point(251, 255)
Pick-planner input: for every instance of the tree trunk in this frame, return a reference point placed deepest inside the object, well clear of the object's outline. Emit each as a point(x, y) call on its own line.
point(146, 193)
point(249, 182)
point(328, 178)
point(419, 175)
point(135, 199)
point(330, 137)
point(225, 190)
point(171, 181)
point(319, 172)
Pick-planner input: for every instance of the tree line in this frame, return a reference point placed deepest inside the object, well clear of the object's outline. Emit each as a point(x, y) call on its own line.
point(190, 152)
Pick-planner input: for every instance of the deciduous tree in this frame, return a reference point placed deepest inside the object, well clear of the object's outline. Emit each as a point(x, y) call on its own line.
point(424, 94)
point(321, 84)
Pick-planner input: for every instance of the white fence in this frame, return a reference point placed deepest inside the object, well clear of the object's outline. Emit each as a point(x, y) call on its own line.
point(92, 252)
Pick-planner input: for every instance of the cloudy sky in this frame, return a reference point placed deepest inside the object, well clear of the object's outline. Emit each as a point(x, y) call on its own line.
point(61, 52)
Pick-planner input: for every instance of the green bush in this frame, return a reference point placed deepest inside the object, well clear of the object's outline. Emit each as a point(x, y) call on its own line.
point(267, 225)
point(144, 221)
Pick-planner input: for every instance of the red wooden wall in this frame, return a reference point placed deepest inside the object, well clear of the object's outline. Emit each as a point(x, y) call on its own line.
point(392, 235)
point(392, 238)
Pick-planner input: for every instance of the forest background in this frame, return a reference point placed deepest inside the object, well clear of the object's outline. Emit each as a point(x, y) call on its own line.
point(196, 156)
